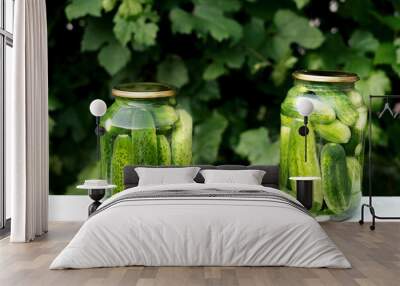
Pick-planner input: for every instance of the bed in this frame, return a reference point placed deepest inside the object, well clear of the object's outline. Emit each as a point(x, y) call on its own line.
point(201, 224)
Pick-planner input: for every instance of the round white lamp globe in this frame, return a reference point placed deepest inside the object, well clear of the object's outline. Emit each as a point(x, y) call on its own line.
point(98, 107)
point(304, 106)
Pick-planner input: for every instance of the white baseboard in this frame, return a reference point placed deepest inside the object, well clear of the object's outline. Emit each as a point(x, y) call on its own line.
point(68, 208)
point(75, 208)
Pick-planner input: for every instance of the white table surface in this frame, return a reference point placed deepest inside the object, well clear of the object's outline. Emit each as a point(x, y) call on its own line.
point(305, 178)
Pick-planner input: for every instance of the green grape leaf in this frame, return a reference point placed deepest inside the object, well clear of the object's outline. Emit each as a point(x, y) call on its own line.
point(254, 37)
point(113, 57)
point(108, 5)
point(393, 22)
point(254, 33)
point(129, 8)
point(265, 9)
point(279, 74)
point(173, 71)
point(322, 58)
point(206, 19)
point(182, 22)
point(214, 70)
point(292, 28)
point(223, 5)
point(53, 102)
point(398, 55)
point(363, 41)
point(233, 57)
point(123, 29)
point(207, 137)
point(358, 64)
point(377, 83)
point(357, 10)
point(51, 123)
point(301, 3)
point(145, 32)
point(56, 164)
point(396, 69)
point(256, 146)
point(97, 32)
point(209, 91)
point(79, 8)
point(386, 54)
point(214, 22)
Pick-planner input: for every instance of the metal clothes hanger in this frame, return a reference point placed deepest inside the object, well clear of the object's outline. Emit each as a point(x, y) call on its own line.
point(386, 108)
point(397, 113)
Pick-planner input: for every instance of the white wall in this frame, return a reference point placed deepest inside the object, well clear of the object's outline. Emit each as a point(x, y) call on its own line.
point(75, 208)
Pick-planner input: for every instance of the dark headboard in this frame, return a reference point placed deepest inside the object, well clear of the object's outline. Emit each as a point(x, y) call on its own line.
point(271, 177)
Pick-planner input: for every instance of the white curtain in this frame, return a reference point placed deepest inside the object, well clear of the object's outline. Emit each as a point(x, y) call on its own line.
point(27, 124)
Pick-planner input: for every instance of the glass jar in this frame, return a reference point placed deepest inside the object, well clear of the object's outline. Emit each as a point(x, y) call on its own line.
point(144, 127)
point(335, 142)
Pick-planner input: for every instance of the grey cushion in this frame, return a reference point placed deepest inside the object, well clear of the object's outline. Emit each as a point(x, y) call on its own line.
point(270, 179)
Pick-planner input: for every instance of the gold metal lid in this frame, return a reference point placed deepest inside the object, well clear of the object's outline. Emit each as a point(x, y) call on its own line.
point(325, 76)
point(143, 90)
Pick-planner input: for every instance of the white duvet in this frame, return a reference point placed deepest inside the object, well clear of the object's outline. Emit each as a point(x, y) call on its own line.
point(200, 231)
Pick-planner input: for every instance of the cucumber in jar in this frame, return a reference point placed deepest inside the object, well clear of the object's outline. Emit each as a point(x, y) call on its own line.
point(336, 186)
point(342, 105)
point(335, 132)
point(121, 157)
point(354, 146)
point(355, 176)
point(181, 139)
point(164, 150)
point(107, 140)
point(165, 117)
point(144, 139)
point(322, 112)
point(355, 98)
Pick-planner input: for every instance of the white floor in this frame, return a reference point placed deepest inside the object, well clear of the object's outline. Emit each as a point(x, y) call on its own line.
point(74, 208)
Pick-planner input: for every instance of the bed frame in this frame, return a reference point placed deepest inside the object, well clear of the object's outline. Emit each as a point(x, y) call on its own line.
point(270, 179)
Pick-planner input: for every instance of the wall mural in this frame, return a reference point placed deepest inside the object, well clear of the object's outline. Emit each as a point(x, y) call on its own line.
point(231, 80)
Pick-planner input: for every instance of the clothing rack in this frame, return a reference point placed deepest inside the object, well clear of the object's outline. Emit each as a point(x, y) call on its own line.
point(370, 203)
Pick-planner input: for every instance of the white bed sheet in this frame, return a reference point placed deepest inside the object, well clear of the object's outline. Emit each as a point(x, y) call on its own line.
point(206, 231)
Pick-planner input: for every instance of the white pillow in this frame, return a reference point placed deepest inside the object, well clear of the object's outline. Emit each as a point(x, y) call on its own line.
point(248, 177)
point(166, 176)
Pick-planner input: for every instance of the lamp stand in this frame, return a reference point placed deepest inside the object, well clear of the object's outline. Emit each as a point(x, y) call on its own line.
point(99, 131)
point(303, 131)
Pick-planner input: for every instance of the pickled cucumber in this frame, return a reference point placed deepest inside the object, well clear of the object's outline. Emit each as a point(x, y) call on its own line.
point(322, 113)
point(355, 98)
point(354, 146)
point(355, 176)
point(342, 105)
point(335, 181)
point(164, 150)
point(335, 132)
point(286, 120)
point(144, 140)
point(106, 149)
point(121, 157)
point(165, 117)
point(181, 139)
